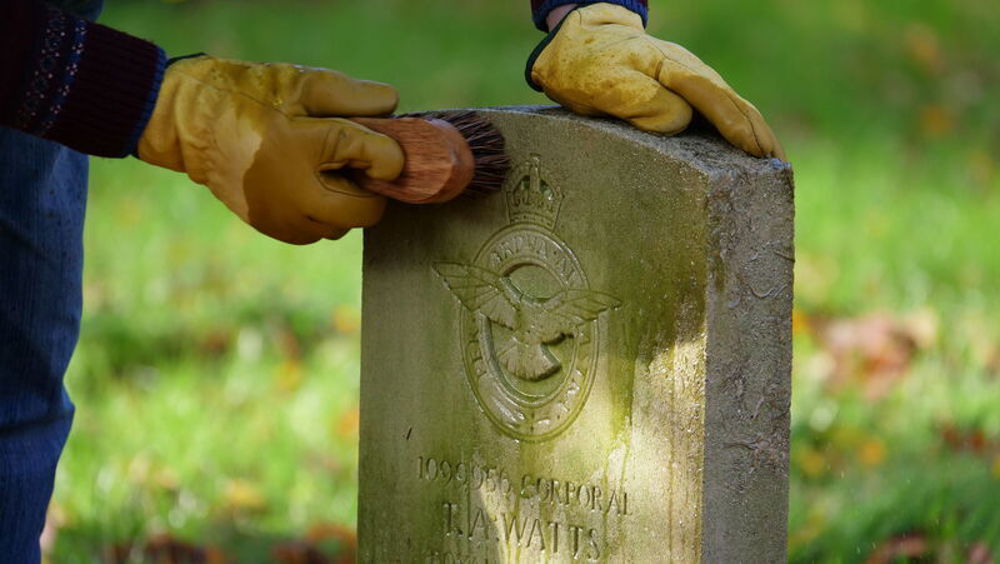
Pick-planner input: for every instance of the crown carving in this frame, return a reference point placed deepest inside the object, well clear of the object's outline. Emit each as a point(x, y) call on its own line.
point(531, 198)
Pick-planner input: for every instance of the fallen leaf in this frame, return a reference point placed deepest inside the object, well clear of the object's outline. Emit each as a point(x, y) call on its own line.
point(874, 351)
point(922, 327)
point(164, 549)
point(812, 462)
point(937, 120)
point(345, 537)
point(812, 528)
point(346, 319)
point(970, 440)
point(871, 452)
point(216, 342)
point(924, 48)
point(166, 479)
point(348, 423)
point(906, 546)
point(323, 543)
point(800, 322)
point(298, 552)
point(242, 495)
point(288, 343)
point(980, 553)
point(288, 375)
point(139, 469)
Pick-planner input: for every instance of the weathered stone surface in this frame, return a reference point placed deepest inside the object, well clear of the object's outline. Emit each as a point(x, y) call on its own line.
point(592, 365)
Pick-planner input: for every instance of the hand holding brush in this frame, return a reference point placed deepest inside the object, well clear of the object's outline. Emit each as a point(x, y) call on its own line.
point(447, 154)
point(264, 139)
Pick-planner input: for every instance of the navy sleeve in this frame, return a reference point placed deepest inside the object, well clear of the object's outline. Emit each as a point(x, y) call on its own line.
point(76, 82)
point(540, 8)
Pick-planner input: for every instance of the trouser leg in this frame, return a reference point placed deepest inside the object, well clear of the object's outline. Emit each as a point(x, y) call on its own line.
point(42, 199)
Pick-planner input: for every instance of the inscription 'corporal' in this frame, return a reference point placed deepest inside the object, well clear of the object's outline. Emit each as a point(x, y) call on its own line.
point(490, 479)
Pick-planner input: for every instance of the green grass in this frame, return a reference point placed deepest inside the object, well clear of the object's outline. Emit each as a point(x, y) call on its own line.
point(217, 375)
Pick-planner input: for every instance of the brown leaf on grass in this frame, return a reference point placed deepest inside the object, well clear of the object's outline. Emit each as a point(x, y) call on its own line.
point(298, 552)
point(872, 452)
point(974, 440)
point(310, 550)
point(143, 471)
point(811, 461)
point(288, 375)
point(217, 342)
point(921, 326)
point(242, 495)
point(800, 322)
point(346, 319)
point(288, 343)
point(937, 120)
point(873, 351)
point(906, 546)
point(969, 440)
point(980, 553)
point(347, 424)
point(164, 549)
point(924, 48)
point(345, 537)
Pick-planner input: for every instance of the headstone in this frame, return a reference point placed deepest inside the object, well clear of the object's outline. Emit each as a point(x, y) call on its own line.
point(591, 365)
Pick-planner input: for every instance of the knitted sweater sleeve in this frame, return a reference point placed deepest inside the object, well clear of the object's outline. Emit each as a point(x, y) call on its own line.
point(541, 8)
point(75, 82)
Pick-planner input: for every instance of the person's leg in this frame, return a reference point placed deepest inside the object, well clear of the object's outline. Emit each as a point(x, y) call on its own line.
point(43, 192)
point(42, 199)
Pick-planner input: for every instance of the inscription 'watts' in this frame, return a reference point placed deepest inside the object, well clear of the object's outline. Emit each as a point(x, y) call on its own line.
point(554, 537)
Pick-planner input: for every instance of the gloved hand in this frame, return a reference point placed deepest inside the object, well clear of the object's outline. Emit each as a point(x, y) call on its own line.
point(260, 137)
point(600, 61)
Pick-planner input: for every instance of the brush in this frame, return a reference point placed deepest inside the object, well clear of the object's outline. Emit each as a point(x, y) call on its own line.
point(447, 154)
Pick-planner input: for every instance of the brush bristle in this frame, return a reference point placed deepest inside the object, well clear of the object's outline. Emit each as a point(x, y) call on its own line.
point(487, 144)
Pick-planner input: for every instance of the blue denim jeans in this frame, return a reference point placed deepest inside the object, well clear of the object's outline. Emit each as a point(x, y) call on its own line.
point(43, 193)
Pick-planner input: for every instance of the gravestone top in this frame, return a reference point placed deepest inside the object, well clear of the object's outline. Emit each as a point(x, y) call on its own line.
point(591, 365)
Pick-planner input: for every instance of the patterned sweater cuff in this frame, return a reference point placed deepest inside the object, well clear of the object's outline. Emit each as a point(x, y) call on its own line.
point(540, 8)
point(81, 84)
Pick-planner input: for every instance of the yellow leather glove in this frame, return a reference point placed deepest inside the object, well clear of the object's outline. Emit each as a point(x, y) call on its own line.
point(600, 61)
point(259, 136)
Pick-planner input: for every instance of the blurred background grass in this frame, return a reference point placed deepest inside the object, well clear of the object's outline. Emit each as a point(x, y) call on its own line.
point(217, 375)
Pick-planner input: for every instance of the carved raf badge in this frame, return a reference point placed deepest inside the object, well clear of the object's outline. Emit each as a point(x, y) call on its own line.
point(530, 323)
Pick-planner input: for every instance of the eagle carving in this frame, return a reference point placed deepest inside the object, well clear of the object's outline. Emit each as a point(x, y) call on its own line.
point(534, 323)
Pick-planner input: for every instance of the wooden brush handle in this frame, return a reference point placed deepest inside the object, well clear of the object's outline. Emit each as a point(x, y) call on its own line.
point(439, 162)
